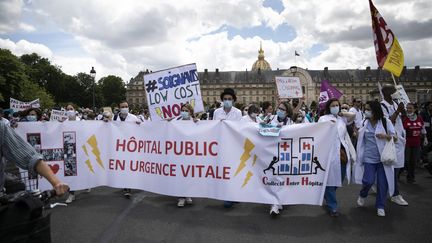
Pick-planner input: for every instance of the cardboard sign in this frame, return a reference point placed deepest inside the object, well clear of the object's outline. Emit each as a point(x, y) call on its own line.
point(289, 87)
point(169, 89)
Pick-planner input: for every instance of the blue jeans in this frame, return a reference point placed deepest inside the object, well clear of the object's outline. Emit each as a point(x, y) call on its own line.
point(330, 192)
point(370, 172)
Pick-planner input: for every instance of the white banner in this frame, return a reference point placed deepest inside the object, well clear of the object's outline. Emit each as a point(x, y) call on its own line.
point(289, 87)
point(222, 160)
point(169, 89)
point(17, 105)
point(57, 115)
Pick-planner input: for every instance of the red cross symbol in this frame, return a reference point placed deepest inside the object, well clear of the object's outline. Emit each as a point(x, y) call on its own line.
point(285, 146)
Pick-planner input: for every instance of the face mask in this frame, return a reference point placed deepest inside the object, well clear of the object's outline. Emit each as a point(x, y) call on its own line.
point(124, 111)
point(299, 119)
point(281, 114)
point(410, 115)
point(344, 110)
point(85, 117)
point(253, 115)
point(31, 118)
point(185, 115)
point(70, 113)
point(334, 110)
point(368, 114)
point(227, 103)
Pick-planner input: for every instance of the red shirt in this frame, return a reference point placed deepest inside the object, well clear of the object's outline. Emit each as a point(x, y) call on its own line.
point(413, 131)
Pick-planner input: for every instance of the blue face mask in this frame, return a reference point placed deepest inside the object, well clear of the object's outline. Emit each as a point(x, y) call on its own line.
point(31, 118)
point(185, 115)
point(281, 114)
point(334, 110)
point(228, 103)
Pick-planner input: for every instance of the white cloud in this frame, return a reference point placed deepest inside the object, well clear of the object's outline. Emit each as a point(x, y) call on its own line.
point(24, 47)
point(125, 37)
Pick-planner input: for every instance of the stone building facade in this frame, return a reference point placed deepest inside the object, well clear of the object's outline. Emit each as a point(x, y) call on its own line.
point(258, 85)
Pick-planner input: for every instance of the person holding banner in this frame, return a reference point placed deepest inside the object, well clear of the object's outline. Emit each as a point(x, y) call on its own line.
point(252, 114)
point(371, 142)
point(267, 112)
point(345, 152)
point(228, 112)
point(31, 115)
point(186, 114)
point(71, 113)
point(393, 111)
point(122, 116)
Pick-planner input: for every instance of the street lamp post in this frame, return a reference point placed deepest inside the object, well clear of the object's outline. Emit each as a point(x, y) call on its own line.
point(93, 75)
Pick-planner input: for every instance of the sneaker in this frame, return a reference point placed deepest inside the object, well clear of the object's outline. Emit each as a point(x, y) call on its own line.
point(228, 204)
point(181, 202)
point(274, 210)
point(373, 190)
point(381, 212)
point(189, 200)
point(70, 198)
point(127, 193)
point(360, 201)
point(88, 190)
point(334, 214)
point(399, 200)
point(280, 207)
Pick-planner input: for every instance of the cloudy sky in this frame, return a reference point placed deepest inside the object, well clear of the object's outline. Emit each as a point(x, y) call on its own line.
point(124, 37)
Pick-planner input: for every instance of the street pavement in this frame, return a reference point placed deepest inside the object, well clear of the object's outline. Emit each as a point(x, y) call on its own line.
point(104, 215)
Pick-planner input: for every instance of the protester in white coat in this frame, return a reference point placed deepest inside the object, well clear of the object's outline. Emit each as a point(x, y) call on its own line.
point(252, 114)
point(393, 111)
point(345, 152)
point(375, 131)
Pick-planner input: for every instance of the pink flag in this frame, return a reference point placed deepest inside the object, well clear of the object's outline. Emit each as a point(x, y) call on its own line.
point(327, 92)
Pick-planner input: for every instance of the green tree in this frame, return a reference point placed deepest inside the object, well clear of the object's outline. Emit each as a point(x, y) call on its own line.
point(112, 89)
point(12, 76)
point(32, 91)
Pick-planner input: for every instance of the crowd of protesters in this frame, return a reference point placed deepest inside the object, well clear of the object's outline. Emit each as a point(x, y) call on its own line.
point(363, 129)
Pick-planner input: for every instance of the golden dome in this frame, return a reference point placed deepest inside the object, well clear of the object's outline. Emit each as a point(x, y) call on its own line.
point(261, 64)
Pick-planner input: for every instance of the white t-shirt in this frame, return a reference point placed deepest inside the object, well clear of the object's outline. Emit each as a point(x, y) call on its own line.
point(247, 118)
point(358, 118)
point(233, 115)
point(5, 121)
point(129, 117)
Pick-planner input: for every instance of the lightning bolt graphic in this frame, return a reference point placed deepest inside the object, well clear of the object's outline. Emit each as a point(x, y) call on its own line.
point(254, 160)
point(88, 163)
point(246, 180)
point(158, 111)
point(93, 144)
point(85, 150)
point(248, 146)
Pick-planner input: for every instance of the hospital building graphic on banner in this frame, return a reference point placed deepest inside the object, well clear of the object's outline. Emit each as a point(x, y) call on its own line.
point(295, 158)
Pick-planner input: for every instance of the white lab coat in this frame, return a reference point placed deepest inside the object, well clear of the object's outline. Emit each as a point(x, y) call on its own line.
point(400, 132)
point(334, 174)
point(359, 166)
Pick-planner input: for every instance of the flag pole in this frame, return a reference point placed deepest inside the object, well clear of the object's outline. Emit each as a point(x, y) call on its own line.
point(394, 80)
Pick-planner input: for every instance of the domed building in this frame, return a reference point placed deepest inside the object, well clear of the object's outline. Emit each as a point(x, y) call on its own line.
point(261, 64)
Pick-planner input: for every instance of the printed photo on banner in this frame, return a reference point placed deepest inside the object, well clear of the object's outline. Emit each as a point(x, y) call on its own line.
point(18, 105)
point(167, 90)
point(289, 87)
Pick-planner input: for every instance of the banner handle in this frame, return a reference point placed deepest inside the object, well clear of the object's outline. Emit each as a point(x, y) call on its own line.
point(394, 80)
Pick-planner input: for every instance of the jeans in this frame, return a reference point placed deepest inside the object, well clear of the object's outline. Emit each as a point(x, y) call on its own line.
point(370, 172)
point(330, 192)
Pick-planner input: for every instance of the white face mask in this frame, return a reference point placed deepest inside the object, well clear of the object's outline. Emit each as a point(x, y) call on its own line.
point(253, 115)
point(368, 114)
point(124, 111)
point(334, 110)
point(185, 115)
point(227, 103)
point(70, 113)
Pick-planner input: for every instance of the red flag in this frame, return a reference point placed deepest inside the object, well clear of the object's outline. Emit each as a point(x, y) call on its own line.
point(389, 54)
